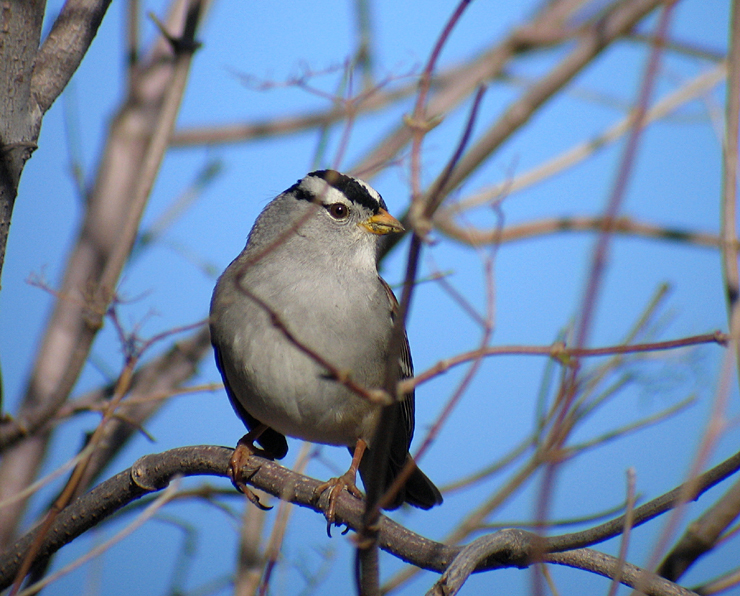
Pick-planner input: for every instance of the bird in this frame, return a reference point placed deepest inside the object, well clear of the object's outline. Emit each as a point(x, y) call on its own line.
point(300, 319)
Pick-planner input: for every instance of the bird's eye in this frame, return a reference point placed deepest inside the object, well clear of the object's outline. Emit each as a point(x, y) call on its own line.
point(338, 210)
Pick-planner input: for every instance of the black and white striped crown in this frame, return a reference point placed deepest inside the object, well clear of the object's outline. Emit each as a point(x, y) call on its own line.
point(357, 191)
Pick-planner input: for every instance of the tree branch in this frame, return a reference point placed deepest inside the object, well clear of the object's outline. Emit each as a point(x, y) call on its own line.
point(19, 37)
point(702, 535)
point(618, 20)
point(114, 208)
point(515, 548)
point(64, 48)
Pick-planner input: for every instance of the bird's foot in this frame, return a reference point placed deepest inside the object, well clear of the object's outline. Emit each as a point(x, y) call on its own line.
point(335, 486)
point(240, 470)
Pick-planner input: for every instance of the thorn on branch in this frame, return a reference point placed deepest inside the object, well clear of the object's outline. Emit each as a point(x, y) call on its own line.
point(422, 125)
point(559, 352)
point(721, 338)
point(186, 43)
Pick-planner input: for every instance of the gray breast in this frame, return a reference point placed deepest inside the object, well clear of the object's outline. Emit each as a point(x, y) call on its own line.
point(278, 382)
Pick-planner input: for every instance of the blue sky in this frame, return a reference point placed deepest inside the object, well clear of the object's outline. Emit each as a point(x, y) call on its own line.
point(538, 283)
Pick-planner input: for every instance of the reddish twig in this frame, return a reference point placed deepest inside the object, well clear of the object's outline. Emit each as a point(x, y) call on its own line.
point(560, 353)
point(568, 389)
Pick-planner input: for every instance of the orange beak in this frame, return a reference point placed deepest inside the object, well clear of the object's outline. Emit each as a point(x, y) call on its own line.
point(382, 223)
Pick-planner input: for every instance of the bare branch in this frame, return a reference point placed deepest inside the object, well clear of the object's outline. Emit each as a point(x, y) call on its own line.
point(685, 492)
point(665, 106)
point(624, 543)
point(619, 19)
point(516, 547)
point(602, 564)
point(367, 545)
point(702, 534)
point(106, 235)
point(160, 376)
point(729, 183)
point(478, 72)
point(19, 40)
point(622, 225)
point(559, 352)
point(64, 48)
point(466, 562)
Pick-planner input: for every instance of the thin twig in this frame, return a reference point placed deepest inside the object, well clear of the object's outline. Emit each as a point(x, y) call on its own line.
point(728, 221)
point(624, 543)
point(694, 88)
point(559, 352)
point(626, 226)
point(368, 582)
point(569, 387)
point(275, 542)
point(98, 550)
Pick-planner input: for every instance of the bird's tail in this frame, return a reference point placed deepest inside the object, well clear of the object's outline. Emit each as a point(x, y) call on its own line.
point(418, 491)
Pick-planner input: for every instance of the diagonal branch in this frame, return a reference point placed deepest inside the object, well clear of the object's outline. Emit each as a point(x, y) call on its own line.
point(702, 535)
point(64, 48)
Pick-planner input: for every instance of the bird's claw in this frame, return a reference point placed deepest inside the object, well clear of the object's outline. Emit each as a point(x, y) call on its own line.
point(335, 486)
point(238, 463)
point(253, 498)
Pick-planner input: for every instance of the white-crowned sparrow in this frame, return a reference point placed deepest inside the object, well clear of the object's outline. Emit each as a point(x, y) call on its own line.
point(306, 290)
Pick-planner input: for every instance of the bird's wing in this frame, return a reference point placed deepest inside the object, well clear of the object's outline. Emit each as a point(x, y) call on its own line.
point(418, 491)
point(406, 406)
